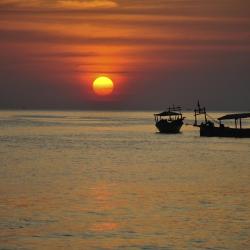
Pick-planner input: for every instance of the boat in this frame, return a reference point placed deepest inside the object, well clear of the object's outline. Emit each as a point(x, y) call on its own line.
point(170, 121)
point(209, 129)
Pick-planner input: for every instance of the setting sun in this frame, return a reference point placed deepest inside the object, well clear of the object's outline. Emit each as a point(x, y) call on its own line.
point(103, 86)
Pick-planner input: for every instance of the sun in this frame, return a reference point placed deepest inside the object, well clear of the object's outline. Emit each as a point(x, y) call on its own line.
point(103, 86)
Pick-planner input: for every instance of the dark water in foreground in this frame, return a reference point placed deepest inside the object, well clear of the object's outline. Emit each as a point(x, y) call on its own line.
point(106, 180)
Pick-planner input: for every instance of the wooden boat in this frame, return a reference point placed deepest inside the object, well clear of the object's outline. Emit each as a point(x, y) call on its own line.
point(170, 121)
point(208, 128)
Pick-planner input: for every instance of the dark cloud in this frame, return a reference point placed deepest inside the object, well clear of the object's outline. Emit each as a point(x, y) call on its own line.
point(30, 36)
point(66, 54)
point(144, 7)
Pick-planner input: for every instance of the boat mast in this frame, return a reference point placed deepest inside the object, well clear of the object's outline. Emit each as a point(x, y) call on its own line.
point(199, 111)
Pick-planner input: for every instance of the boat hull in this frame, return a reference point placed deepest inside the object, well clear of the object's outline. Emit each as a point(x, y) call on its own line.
point(224, 132)
point(169, 127)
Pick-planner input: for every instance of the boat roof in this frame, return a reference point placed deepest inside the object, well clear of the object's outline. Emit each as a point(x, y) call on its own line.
point(167, 113)
point(234, 116)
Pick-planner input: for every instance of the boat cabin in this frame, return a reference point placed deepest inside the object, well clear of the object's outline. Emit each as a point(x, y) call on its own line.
point(169, 114)
point(236, 117)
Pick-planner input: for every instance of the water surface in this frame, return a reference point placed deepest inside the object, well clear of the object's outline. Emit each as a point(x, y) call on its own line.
point(107, 180)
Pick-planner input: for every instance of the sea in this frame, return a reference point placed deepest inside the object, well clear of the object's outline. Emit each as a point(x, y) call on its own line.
point(107, 180)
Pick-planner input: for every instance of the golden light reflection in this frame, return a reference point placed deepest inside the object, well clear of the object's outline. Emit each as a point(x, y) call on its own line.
point(103, 198)
point(104, 226)
point(102, 195)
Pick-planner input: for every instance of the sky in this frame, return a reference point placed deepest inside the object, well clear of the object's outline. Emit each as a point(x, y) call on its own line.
point(157, 52)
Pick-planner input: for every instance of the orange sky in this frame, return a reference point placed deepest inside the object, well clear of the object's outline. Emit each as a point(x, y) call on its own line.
point(156, 52)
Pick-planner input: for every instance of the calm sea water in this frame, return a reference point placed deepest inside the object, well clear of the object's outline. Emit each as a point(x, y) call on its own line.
point(107, 180)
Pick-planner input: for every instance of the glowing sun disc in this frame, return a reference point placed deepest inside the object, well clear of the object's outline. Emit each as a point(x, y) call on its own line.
point(103, 86)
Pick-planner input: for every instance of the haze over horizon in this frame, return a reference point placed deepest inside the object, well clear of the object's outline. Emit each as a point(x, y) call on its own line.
point(157, 53)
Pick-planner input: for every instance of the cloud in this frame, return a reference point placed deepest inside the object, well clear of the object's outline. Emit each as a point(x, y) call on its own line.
point(21, 4)
point(67, 54)
point(57, 4)
point(74, 4)
point(193, 43)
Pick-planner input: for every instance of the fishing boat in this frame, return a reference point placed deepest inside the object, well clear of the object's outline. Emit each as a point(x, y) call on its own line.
point(170, 121)
point(209, 129)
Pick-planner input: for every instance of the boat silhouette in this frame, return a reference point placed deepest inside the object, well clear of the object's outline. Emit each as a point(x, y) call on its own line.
point(170, 121)
point(209, 129)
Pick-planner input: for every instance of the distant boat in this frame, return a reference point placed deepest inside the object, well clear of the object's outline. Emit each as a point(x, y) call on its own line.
point(170, 121)
point(208, 128)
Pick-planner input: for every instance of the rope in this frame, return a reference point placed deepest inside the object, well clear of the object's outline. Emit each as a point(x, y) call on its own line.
point(214, 120)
